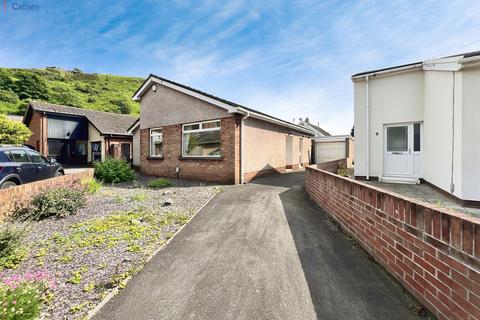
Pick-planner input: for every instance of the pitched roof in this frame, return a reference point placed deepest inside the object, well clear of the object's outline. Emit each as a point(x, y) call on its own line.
point(419, 63)
point(313, 127)
point(105, 122)
point(237, 107)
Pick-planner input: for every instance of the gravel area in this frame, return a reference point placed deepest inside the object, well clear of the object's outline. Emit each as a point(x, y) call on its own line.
point(108, 240)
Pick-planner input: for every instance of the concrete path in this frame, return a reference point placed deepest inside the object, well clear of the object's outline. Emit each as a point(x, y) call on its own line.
point(260, 251)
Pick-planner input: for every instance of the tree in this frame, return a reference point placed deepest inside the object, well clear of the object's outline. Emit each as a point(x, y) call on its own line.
point(122, 105)
point(13, 132)
point(30, 85)
point(352, 132)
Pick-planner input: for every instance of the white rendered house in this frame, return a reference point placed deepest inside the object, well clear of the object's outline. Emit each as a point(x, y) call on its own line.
point(421, 122)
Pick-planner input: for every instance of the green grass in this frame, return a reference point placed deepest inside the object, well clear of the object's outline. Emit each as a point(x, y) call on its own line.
point(71, 87)
point(160, 183)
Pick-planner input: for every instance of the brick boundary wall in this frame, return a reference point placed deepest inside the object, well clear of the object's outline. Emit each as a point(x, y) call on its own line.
point(433, 252)
point(10, 197)
point(331, 166)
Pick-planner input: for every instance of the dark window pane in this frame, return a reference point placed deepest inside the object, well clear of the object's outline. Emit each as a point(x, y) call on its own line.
point(416, 137)
point(202, 144)
point(36, 157)
point(191, 127)
point(397, 139)
point(19, 156)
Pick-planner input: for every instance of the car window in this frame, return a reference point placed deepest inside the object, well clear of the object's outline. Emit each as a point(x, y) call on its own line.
point(36, 157)
point(8, 155)
point(19, 156)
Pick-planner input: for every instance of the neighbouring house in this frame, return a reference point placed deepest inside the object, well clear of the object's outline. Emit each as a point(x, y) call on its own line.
point(76, 136)
point(326, 147)
point(419, 122)
point(191, 134)
point(319, 132)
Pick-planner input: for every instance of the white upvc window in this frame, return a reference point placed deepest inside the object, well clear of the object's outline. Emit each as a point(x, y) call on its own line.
point(156, 142)
point(202, 139)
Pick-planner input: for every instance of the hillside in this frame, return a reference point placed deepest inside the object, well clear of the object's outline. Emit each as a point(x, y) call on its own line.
point(68, 87)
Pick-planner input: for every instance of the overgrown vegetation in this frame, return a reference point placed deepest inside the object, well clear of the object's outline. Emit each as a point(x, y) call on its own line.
point(59, 203)
point(114, 170)
point(12, 252)
point(160, 183)
point(91, 185)
point(13, 132)
point(68, 87)
point(21, 296)
point(342, 170)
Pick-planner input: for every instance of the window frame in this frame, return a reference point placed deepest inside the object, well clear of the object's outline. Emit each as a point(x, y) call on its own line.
point(200, 125)
point(150, 143)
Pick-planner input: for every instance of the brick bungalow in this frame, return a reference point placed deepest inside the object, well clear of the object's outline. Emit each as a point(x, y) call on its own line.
point(191, 134)
point(76, 136)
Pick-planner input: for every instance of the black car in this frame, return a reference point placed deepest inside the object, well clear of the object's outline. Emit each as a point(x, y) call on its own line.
point(20, 164)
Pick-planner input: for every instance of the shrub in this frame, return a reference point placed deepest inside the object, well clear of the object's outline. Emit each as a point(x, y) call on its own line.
point(13, 132)
point(58, 203)
point(22, 296)
point(91, 185)
point(11, 250)
point(160, 183)
point(114, 170)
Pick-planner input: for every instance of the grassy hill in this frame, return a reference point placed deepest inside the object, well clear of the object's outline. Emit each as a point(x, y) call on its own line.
point(68, 87)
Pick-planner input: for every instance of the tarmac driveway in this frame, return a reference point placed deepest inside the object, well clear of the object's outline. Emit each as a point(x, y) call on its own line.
point(261, 251)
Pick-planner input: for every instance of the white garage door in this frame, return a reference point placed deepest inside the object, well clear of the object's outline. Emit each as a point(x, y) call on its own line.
point(328, 151)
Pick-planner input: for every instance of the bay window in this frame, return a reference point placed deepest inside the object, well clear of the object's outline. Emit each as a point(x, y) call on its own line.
point(201, 139)
point(156, 142)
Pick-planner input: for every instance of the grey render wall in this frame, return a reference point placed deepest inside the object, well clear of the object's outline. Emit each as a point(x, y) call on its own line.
point(167, 106)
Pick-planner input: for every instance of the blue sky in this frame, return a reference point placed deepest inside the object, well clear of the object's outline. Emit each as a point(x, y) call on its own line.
point(290, 59)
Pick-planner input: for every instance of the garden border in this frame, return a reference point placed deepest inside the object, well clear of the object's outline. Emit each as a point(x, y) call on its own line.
point(10, 197)
point(117, 289)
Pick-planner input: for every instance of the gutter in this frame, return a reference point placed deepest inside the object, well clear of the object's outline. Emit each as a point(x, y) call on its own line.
point(393, 70)
point(275, 121)
point(242, 147)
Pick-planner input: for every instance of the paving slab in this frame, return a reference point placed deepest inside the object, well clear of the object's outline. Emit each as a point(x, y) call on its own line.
point(261, 251)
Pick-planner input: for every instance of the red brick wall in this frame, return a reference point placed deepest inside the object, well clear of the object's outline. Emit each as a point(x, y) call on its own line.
point(10, 197)
point(38, 126)
point(226, 169)
point(434, 253)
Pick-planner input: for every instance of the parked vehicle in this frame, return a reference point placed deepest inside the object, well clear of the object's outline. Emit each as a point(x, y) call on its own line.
point(20, 164)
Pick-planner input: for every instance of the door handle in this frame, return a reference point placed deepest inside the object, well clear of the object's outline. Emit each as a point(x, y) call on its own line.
point(19, 169)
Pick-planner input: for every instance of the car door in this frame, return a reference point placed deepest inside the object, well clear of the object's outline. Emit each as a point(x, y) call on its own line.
point(25, 169)
point(44, 169)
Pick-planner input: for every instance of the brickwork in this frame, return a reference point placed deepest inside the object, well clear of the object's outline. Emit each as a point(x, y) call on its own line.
point(226, 169)
point(38, 126)
point(10, 197)
point(434, 253)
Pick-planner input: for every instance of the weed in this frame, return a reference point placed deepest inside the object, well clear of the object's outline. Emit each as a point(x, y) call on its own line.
point(90, 185)
point(139, 197)
point(79, 307)
point(160, 183)
point(89, 287)
point(12, 252)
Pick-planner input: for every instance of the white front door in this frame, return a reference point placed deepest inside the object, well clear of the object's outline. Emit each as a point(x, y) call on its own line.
point(398, 150)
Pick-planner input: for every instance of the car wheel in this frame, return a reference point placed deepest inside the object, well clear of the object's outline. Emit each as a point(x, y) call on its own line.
point(8, 184)
point(59, 174)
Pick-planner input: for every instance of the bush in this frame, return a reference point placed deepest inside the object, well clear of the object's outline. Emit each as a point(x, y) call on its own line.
point(11, 250)
point(58, 203)
point(160, 183)
point(114, 170)
point(22, 296)
point(13, 132)
point(91, 185)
